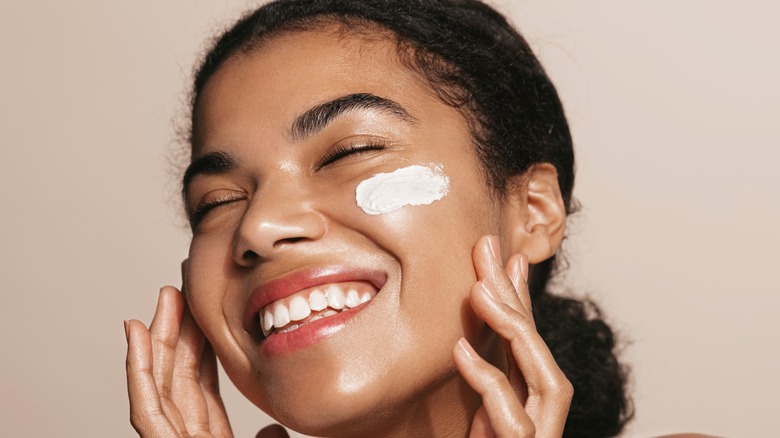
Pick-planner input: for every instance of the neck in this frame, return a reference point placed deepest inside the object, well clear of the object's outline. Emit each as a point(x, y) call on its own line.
point(445, 408)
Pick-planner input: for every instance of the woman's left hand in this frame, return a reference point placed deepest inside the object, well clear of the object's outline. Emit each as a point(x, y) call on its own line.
point(532, 399)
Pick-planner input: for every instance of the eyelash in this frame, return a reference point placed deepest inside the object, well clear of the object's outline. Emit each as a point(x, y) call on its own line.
point(199, 212)
point(340, 152)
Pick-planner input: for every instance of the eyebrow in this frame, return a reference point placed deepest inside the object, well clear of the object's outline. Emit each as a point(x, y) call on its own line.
point(209, 164)
point(317, 118)
point(307, 124)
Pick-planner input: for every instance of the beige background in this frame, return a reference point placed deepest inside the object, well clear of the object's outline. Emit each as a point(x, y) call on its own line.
point(674, 108)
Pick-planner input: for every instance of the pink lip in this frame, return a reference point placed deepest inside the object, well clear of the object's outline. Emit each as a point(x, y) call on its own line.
point(293, 282)
point(279, 344)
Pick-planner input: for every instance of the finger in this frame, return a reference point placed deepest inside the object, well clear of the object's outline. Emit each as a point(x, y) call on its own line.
point(513, 270)
point(506, 414)
point(488, 266)
point(186, 391)
point(164, 331)
point(549, 391)
point(209, 382)
point(165, 335)
point(272, 431)
point(509, 284)
point(517, 271)
point(480, 425)
point(146, 412)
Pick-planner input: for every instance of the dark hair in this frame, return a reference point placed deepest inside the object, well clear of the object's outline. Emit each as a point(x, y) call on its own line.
point(477, 63)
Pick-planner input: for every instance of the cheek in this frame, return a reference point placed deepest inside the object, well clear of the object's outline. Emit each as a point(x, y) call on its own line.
point(208, 271)
point(210, 280)
point(408, 186)
point(406, 210)
point(210, 283)
point(433, 245)
point(428, 224)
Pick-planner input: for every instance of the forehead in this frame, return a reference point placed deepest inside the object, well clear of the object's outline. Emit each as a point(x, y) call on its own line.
point(292, 71)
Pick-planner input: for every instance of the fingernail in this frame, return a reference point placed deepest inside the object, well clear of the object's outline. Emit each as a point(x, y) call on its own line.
point(127, 335)
point(488, 290)
point(464, 344)
point(495, 249)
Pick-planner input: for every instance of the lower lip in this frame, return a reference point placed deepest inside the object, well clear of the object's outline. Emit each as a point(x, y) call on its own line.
point(279, 344)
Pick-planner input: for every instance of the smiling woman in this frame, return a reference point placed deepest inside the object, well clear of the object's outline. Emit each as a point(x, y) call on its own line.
point(425, 313)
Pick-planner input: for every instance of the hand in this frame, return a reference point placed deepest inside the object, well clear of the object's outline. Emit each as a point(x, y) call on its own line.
point(532, 399)
point(172, 375)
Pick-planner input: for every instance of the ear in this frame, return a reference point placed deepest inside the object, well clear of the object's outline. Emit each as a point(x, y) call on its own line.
point(534, 216)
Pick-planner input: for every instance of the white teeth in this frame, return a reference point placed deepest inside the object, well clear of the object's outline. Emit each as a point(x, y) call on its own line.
point(335, 297)
point(289, 328)
point(352, 300)
point(281, 315)
point(299, 309)
point(331, 301)
point(317, 301)
point(267, 320)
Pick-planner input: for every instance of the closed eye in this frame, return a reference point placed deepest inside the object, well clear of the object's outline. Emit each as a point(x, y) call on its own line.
point(197, 214)
point(340, 152)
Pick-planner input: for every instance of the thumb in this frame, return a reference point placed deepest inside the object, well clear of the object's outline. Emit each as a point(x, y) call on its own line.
point(272, 431)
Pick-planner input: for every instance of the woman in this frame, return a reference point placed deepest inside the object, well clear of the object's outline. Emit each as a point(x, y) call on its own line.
point(377, 193)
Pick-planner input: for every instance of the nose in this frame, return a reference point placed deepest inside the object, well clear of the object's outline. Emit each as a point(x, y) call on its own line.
point(274, 222)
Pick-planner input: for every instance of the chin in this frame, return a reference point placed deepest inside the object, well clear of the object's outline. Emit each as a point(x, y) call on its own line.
point(319, 412)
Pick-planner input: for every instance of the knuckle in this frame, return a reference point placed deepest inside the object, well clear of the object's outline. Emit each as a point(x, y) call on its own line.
point(148, 421)
point(519, 324)
point(158, 375)
point(494, 377)
point(567, 390)
point(525, 429)
point(494, 381)
point(137, 421)
point(562, 388)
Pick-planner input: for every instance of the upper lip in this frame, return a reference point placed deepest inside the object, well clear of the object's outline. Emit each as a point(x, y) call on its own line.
point(290, 283)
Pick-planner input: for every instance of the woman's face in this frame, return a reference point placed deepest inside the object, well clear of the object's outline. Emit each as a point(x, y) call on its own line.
point(278, 139)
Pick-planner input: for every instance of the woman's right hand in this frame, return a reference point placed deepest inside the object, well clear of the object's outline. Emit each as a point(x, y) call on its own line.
point(172, 375)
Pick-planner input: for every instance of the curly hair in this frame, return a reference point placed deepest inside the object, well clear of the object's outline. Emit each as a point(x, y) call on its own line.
point(476, 62)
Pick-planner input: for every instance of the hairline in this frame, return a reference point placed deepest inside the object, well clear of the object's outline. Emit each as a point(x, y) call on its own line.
point(407, 54)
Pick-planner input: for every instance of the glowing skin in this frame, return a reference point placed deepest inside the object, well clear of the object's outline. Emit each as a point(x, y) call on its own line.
point(288, 221)
point(413, 185)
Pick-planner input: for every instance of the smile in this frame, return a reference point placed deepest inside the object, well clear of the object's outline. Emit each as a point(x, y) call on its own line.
point(324, 295)
point(309, 305)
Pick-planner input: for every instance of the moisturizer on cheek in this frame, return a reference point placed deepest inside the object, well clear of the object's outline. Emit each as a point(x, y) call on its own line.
point(413, 185)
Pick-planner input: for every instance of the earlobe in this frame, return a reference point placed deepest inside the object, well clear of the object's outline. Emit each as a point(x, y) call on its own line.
point(534, 213)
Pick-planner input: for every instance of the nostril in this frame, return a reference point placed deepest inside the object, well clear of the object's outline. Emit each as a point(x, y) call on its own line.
point(288, 240)
point(266, 231)
point(250, 256)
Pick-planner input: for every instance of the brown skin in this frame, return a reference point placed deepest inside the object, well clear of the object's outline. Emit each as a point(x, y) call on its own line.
point(441, 272)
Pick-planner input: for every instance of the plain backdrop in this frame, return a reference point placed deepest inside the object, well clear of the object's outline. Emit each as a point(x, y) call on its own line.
point(674, 108)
